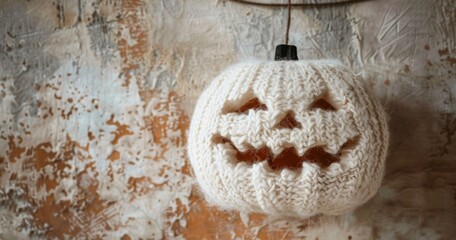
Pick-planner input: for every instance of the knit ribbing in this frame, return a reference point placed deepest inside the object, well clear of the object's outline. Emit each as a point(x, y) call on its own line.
point(218, 132)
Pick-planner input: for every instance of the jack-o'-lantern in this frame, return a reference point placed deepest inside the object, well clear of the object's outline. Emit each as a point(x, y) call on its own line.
point(288, 137)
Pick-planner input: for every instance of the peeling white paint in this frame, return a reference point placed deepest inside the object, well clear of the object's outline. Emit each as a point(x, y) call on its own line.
point(113, 154)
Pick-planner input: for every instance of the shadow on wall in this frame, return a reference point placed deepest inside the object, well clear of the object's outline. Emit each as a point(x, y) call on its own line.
point(417, 196)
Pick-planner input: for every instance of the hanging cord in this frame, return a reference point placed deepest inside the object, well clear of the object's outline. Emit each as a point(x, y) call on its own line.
point(308, 5)
point(288, 22)
point(289, 5)
point(285, 51)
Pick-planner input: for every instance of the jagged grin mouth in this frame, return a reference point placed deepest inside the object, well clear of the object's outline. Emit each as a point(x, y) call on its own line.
point(288, 157)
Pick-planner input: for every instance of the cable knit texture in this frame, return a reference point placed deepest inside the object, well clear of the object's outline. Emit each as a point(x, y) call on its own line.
point(288, 87)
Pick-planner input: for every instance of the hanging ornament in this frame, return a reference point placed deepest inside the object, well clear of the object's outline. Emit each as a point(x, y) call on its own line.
point(288, 137)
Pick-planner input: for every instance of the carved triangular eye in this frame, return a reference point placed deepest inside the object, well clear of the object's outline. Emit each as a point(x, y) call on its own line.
point(322, 104)
point(253, 103)
point(288, 122)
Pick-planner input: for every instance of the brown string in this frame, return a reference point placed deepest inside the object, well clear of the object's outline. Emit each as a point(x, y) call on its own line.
point(288, 22)
point(289, 5)
point(309, 5)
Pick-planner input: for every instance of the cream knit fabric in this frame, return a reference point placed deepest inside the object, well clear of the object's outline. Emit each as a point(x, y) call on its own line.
point(288, 86)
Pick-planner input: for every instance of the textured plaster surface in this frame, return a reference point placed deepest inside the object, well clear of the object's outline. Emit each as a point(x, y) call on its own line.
point(96, 98)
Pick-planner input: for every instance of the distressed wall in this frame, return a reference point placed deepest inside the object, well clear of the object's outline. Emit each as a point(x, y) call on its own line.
point(96, 97)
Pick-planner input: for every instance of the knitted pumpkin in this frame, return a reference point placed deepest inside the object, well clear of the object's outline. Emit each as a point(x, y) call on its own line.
point(288, 137)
